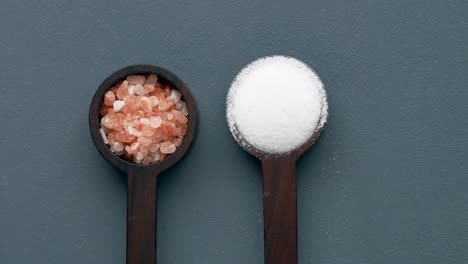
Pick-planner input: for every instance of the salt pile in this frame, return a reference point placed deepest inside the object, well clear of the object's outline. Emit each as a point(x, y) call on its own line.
point(275, 104)
point(143, 120)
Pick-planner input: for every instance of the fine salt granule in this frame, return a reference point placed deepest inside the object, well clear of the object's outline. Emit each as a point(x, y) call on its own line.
point(275, 104)
point(143, 120)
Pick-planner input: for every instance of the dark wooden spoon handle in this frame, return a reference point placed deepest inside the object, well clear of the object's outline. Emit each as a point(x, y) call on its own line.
point(141, 218)
point(280, 210)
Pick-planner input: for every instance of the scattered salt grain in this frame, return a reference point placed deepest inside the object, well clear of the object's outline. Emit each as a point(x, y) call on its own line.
point(275, 104)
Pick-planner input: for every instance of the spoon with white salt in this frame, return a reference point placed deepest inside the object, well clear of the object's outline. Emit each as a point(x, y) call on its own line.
point(276, 110)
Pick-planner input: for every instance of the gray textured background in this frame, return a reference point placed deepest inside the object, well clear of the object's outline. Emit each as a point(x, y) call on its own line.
point(387, 183)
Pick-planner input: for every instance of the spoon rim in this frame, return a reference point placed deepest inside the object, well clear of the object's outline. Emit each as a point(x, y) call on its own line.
point(95, 117)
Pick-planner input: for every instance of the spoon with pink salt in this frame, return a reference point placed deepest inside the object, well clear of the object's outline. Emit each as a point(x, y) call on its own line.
point(141, 178)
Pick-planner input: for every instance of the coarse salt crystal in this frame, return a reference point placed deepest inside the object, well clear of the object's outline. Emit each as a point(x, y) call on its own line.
point(169, 116)
point(139, 156)
point(156, 156)
point(167, 147)
point(134, 146)
point(153, 147)
point(118, 146)
point(139, 89)
point(147, 132)
point(105, 121)
point(184, 109)
point(103, 134)
point(152, 79)
point(177, 142)
point(164, 105)
point(132, 131)
point(131, 90)
point(154, 101)
point(122, 90)
point(118, 105)
point(109, 98)
point(145, 141)
point(175, 95)
point(155, 121)
point(144, 121)
point(136, 79)
point(148, 88)
point(146, 104)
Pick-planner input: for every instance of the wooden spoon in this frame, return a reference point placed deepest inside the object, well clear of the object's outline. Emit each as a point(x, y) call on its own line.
point(279, 198)
point(142, 179)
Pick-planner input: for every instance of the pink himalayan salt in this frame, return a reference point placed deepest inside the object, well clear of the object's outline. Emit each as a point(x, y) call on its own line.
point(103, 134)
point(122, 91)
point(140, 156)
point(109, 98)
point(146, 104)
point(136, 79)
point(154, 101)
point(164, 105)
point(139, 89)
point(175, 96)
point(147, 132)
point(177, 142)
point(167, 147)
point(148, 123)
point(152, 79)
point(148, 88)
point(118, 146)
point(153, 147)
point(119, 104)
point(155, 121)
point(145, 141)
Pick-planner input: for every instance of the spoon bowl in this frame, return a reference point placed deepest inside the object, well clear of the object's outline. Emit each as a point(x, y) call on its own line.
point(164, 76)
point(142, 179)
